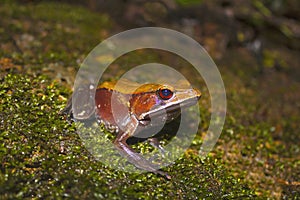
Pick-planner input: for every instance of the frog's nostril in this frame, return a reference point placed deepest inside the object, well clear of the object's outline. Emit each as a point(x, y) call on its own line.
point(197, 93)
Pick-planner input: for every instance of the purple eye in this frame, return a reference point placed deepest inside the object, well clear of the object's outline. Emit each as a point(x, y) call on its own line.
point(165, 94)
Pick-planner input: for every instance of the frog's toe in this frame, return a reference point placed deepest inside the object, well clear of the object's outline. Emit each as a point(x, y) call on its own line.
point(164, 174)
point(155, 143)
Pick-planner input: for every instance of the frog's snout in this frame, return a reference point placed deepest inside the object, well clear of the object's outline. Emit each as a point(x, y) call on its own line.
point(197, 93)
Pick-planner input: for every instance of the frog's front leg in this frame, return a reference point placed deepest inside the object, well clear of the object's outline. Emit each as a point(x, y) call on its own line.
point(155, 143)
point(132, 156)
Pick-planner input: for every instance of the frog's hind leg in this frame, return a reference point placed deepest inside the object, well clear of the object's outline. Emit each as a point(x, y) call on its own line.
point(134, 157)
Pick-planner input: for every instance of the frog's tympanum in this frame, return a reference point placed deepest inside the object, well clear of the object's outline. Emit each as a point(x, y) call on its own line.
point(129, 107)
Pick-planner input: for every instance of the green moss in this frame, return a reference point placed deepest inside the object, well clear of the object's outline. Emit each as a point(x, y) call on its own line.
point(188, 2)
point(50, 32)
point(42, 156)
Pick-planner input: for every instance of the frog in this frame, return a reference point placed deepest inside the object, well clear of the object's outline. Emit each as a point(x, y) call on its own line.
point(126, 108)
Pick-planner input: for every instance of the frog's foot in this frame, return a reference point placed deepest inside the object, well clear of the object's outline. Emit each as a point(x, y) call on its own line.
point(135, 158)
point(155, 143)
point(164, 174)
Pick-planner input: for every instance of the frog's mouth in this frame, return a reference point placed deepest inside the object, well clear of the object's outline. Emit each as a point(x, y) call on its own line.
point(169, 111)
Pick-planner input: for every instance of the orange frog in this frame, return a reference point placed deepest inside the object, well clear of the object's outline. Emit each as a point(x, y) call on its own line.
point(129, 107)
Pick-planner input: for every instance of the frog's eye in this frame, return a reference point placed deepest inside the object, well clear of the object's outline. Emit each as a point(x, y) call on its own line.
point(165, 94)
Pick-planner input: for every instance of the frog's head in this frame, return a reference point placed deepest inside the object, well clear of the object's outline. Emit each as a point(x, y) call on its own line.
point(161, 101)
